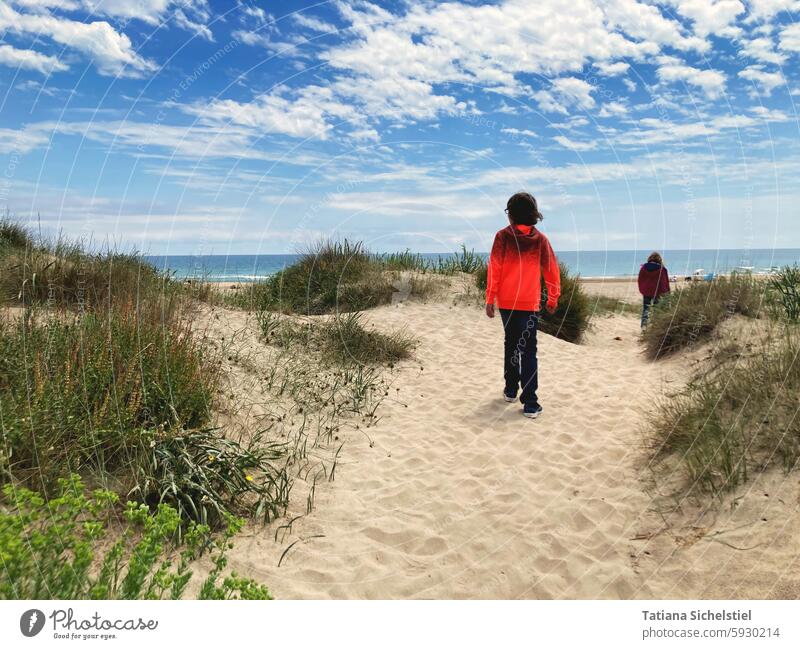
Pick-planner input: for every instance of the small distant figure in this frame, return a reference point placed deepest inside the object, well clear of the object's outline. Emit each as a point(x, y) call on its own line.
point(653, 283)
point(521, 257)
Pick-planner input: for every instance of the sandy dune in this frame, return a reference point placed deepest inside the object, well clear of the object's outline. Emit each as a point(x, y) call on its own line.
point(455, 495)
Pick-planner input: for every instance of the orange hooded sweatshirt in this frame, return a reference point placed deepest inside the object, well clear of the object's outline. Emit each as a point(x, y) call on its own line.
point(521, 256)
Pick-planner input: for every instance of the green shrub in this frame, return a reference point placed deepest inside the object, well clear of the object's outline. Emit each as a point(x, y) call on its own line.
point(331, 276)
point(692, 314)
point(346, 339)
point(738, 417)
point(13, 236)
point(571, 319)
point(82, 392)
point(62, 549)
point(784, 292)
point(206, 477)
point(341, 340)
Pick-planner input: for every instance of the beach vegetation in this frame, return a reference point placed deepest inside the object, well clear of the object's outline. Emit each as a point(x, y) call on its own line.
point(691, 315)
point(604, 305)
point(404, 261)
point(735, 418)
point(784, 293)
point(343, 339)
point(572, 316)
point(77, 546)
point(13, 236)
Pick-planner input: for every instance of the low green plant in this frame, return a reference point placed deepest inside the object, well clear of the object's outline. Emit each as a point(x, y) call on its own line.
point(571, 319)
point(346, 339)
point(64, 548)
point(692, 314)
point(738, 416)
point(784, 292)
point(207, 477)
point(343, 339)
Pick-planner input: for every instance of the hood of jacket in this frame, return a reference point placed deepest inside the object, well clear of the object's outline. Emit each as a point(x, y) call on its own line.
point(651, 266)
point(526, 236)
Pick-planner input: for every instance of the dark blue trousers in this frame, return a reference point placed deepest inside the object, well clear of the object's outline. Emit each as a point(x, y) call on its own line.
point(647, 302)
point(520, 367)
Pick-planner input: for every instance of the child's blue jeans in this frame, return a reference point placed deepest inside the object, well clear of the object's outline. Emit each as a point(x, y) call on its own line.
point(520, 367)
point(647, 302)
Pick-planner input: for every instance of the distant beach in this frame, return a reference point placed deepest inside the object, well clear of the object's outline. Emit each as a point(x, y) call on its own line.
point(589, 264)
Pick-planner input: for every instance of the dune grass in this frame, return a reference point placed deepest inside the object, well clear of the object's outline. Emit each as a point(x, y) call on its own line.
point(13, 236)
point(81, 392)
point(342, 276)
point(783, 293)
point(341, 340)
point(604, 305)
point(330, 276)
point(101, 376)
point(63, 274)
point(737, 417)
point(571, 319)
point(404, 261)
point(692, 314)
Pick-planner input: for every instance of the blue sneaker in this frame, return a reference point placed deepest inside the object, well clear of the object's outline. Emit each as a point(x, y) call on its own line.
point(532, 410)
point(509, 398)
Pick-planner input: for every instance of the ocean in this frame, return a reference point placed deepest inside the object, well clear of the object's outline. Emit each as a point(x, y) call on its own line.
point(587, 263)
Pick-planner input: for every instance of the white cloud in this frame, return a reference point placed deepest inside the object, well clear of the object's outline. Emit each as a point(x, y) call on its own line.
point(111, 51)
point(300, 113)
point(672, 69)
point(763, 49)
point(310, 22)
point(570, 124)
point(612, 69)
point(29, 60)
point(21, 141)
point(790, 38)
point(613, 109)
point(767, 81)
point(519, 132)
point(575, 146)
point(646, 22)
point(564, 93)
point(767, 9)
point(770, 114)
point(491, 45)
point(711, 16)
point(188, 14)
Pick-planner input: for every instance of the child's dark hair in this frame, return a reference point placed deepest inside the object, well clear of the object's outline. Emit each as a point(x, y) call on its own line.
point(655, 258)
point(523, 210)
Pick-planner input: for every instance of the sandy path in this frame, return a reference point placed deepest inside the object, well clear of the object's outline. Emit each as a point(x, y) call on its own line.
point(455, 495)
point(460, 496)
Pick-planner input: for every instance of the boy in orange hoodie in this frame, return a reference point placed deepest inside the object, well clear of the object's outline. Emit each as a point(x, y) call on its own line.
point(521, 256)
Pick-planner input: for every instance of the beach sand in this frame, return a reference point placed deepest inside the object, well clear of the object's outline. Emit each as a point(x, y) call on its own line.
point(455, 495)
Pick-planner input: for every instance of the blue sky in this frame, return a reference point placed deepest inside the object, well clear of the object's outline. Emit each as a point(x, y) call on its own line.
point(199, 127)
